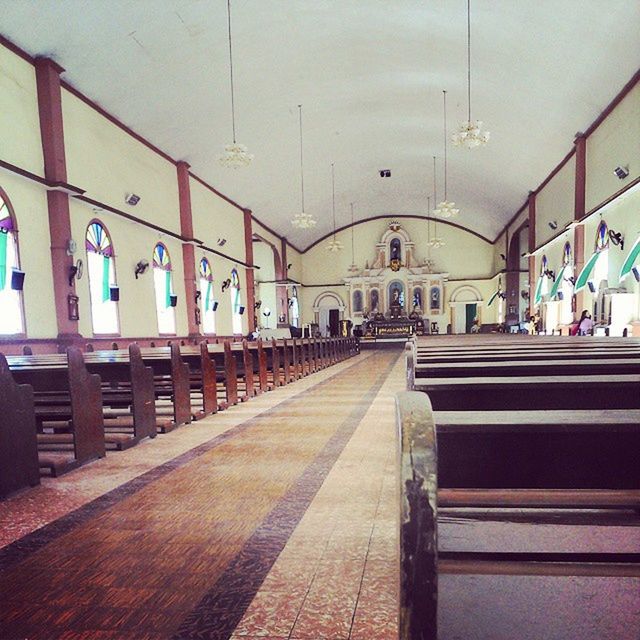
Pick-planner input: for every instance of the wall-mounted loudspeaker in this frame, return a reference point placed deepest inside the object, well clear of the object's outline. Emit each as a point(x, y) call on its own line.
point(592, 286)
point(636, 273)
point(560, 295)
point(241, 310)
point(17, 280)
point(114, 293)
point(215, 306)
point(173, 300)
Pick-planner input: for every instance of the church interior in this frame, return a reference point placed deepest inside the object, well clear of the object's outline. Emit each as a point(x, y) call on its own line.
point(319, 321)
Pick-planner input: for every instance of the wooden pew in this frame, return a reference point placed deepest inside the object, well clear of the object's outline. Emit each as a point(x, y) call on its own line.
point(231, 380)
point(68, 406)
point(18, 443)
point(463, 459)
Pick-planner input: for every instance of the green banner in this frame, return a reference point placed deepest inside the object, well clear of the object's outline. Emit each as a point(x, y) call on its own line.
point(3, 259)
point(557, 284)
point(632, 260)
point(167, 293)
point(105, 278)
point(207, 298)
point(493, 297)
point(538, 295)
point(583, 278)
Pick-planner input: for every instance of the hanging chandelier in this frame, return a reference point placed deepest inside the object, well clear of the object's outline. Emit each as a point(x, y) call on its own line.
point(334, 245)
point(436, 242)
point(302, 220)
point(235, 154)
point(354, 267)
point(470, 133)
point(445, 209)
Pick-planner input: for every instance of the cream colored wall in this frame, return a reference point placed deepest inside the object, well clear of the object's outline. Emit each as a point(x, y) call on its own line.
point(500, 247)
point(215, 218)
point(616, 142)
point(295, 259)
point(108, 163)
point(20, 142)
point(311, 294)
point(29, 202)
point(556, 202)
point(132, 242)
point(464, 254)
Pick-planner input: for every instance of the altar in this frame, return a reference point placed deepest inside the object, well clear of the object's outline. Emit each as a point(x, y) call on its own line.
point(397, 295)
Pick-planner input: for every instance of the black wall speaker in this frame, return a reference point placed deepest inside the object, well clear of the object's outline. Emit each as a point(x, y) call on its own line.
point(114, 293)
point(560, 295)
point(592, 286)
point(215, 306)
point(173, 298)
point(17, 279)
point(636, 273)
point(241, 310)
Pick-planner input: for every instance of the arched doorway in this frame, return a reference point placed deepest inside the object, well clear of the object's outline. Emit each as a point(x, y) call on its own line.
point(270, 284)
point(465, 308)
point(329, 310)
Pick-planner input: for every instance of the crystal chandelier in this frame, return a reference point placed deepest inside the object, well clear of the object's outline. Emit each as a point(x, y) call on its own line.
point(334, 245)
point(302, 220)
point(446, 209)
point(470, 133)
point(436, 242)
point(235, 155)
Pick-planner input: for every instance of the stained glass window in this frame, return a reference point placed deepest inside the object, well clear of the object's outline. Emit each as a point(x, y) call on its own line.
point(207, 302)
point(11, 317)
point(162, 281)
point(101, 270)
point(602, 236)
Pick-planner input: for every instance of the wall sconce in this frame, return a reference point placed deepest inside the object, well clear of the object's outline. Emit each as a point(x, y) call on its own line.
point(616, 238)
point(141, 268)
point(198, 294)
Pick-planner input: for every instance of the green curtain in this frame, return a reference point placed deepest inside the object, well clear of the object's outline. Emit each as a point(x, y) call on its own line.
point(557, 284)
point(167, 294)
point(207, 298)
point(632, 259)
point(471, 311)
point(3, 259)
point(105, 278)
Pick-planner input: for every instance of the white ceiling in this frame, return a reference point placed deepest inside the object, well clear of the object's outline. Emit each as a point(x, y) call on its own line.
point(369, 74)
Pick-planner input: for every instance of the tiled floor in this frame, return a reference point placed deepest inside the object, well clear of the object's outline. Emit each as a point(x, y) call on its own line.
point(273, 519)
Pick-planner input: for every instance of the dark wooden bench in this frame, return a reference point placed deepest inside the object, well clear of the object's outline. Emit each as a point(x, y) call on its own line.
point(18, 443)
point(68, 407)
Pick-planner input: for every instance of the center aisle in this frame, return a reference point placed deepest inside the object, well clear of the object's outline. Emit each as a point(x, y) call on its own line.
point(184, 549)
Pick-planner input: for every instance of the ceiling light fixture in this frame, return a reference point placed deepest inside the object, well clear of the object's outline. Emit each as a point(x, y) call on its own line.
point(235, 154)
point(446, 209)
point(469, 133)
point(334, 245)
point(436, 242)
point(302, 220)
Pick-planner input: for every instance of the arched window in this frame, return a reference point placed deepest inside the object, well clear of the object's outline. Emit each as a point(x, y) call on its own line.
point(236, 303)
point(102, 279)
point(162, 282)
point(417, 298)
point(357, 301)
point(295, 307)
point(11, 317)
point(434, 299)
point(544, 268)
point(207, 302)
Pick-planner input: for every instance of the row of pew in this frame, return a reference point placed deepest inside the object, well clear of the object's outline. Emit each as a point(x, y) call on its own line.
point(59, 411)
point(531, 428)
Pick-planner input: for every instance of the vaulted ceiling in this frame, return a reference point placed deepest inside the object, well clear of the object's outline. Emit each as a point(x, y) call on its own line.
point(369, 74)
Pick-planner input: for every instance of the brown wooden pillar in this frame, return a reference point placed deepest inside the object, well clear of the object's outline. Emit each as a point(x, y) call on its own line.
point(188, 250)
point(248, 250)
point(532, 247)
point(512, 288)
point(55, 170)
point(579, 211)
